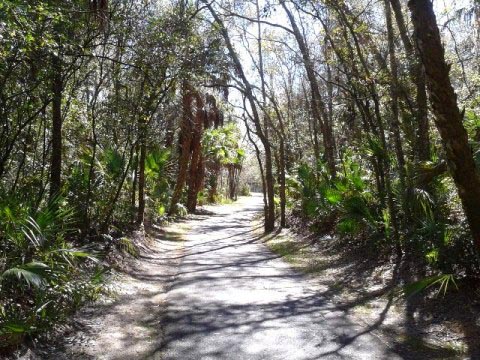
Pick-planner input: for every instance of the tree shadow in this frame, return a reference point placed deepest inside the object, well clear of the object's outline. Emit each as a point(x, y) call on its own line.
point(355, 288)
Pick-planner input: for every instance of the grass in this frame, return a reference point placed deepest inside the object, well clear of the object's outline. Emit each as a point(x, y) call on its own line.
point(221, 199)
point(286, 249)
point(447, 350)
point(296, 252)
point(315, 266)
point(172, 231)
point(173, 236)
point(364, 309)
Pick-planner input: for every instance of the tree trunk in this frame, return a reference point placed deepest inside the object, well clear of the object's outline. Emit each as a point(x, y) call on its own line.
point(448, 117)
point(195, 176)
point(260, 165)
point(477, 34)
point(270, 223)
point(281, 166)
point(213, 180)
point(282, 190)
point(423, 132)
point(56, 157)
point(91, 173)
point(417, 74)
point(395, 121)
point(141, 175)
point(318, 106)
point(270, 220)
point(248, 91)
point(185, 146)
point(231, 182)
point(112, 203)
point(133, 198)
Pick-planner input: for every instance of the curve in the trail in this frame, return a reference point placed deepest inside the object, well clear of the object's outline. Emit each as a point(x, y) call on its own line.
point(234, 299)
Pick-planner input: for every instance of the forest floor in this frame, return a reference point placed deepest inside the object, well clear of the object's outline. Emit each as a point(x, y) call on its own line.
point(208, 287)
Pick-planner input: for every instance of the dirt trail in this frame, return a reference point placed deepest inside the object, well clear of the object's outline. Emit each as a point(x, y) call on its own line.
point(221, 295)
point(234, 299)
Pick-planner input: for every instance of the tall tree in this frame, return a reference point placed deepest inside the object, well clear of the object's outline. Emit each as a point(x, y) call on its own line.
point(56, 157)
point(417, 74)
point(248, 91)
point(448, 117)
point(318, 105)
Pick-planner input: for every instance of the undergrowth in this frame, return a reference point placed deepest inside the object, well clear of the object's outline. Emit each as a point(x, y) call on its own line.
point(348, 207)
point(43, 276)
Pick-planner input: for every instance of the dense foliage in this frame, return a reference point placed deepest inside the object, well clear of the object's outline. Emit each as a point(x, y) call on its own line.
point(91, 141)
point(352, 110)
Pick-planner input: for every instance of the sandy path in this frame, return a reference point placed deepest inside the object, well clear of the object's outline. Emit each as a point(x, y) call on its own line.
point(220, 295)
point(234, 299)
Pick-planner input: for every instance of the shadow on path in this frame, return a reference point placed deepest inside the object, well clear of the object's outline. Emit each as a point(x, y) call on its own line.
point(234, 299)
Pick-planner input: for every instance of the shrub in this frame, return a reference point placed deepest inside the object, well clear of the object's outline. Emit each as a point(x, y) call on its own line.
point(43, 277)
point(346, 196)
point(245, 190)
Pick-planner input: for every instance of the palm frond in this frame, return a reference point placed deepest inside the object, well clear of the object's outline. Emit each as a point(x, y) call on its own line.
point(32, 273)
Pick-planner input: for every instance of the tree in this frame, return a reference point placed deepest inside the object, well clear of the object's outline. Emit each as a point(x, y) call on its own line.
point(318, 105)
point(448, 117)
point(220, 146)
point(248, 92)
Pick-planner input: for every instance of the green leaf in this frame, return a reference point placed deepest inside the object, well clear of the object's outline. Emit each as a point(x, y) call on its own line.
point(348, 226)
point(32, 273)
point(444, 281)
point(310, 207)
point(33, 233)
point(114, 162)
point(16, 328)
point(333, 196)
point(78, 253)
